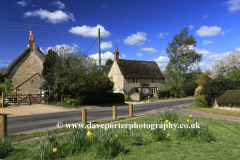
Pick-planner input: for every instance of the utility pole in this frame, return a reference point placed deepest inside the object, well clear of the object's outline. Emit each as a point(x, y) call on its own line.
point(99, 50)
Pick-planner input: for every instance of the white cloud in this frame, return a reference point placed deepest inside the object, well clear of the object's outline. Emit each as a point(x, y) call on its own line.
point(151, 50)
point(203, 52)
point(104, 57)
point(207, 42)
point(162, 62)
point(163, 52)
point(238, 39)
point(191, 27)
point(234, 5)
point(88, 31)
point(123, 55)
point(160, 35)
point(22, 3)
point(52, 17)
point(140, 43)
point(58, 47)
point(226, 31)
point(217, 57)
point(135, 38)
point(139, 54)
point(59, 4)
point(238, 49)
point(106, 45)
point(208, 31)
point(117, 40)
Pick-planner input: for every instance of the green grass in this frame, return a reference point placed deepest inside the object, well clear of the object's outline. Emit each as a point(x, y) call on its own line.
point(214, 111)
point(21, 137)
point(153, 99)
point(226, 144)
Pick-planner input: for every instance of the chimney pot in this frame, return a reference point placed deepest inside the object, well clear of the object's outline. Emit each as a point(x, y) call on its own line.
point(116, 54)
point(31, 41)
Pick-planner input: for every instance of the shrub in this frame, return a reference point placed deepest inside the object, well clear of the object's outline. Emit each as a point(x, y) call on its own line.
point(131, 91)
point(162, 93)
point(170, 116)
point(128, 99)
point(216, 87)
point(231, 97)
point(2, 88)
point(189, 88)
point(200, 100)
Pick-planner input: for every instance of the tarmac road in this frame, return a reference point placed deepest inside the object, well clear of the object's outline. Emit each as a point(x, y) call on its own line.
point(42, 122)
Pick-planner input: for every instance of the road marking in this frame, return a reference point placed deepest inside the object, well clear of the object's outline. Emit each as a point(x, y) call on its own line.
point(171, 109)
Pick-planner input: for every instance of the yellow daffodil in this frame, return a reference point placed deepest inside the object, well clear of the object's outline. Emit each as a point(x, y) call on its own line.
point(143, 150)
point(187, 120)
point(166, 121)
point(54, 149)
point(168, 135)
point(89, 133)
point(150, 134)
point(190, 116)
point(115, 135)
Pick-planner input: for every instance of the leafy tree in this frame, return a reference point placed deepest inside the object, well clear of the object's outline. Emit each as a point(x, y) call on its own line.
point(77, 74)
point(9, 85)
point(235, 74)
point(2, 77)
point(182, 57)
point(226, 65)
point(48, 64)
point(109, 62)
point(2, 69)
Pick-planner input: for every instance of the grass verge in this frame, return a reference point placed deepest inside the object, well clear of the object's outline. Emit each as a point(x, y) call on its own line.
point(152, 99)
point(214, 111)
point(225, 146)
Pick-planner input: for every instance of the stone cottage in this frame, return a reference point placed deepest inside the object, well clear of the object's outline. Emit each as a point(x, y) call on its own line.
point(26, 69)
point(131, 73)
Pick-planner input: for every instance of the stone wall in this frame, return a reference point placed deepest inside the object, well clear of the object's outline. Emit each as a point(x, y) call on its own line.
point(117, 77)
point(31, 86)
point(128, 83)
point(26, 67)
point(136, 96)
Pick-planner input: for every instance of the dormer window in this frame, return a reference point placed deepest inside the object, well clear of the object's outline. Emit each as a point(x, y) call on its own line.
point(135, 80)
point(154, 80)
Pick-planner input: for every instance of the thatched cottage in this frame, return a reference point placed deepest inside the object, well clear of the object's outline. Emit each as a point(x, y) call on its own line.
point(26, 69)
point(131, 73)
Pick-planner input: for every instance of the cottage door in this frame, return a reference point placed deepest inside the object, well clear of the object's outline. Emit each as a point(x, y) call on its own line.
point(145, 90)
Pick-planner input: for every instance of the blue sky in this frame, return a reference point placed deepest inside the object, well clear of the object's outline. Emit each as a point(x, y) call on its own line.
point(141, 29)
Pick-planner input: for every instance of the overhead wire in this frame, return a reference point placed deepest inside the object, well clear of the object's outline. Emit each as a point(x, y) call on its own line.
point(91, 45)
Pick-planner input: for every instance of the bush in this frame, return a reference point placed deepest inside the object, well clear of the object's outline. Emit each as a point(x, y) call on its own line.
point(216, 87)
point(131, 91)
point(189, 88)
point(2, 88)
point(5, 147)
point(101, 98)
point(200, 100)
point(231, 97)
point(162, 93)
point(128, 99)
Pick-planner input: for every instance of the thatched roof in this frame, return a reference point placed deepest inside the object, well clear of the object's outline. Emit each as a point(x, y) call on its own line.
point(134, 68)
point(36, 50)
point(106, 68)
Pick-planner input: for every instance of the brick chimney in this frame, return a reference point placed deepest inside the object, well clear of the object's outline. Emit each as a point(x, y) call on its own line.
point(31, 40)
point(116, 55)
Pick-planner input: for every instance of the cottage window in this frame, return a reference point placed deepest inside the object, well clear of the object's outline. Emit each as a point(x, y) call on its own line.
point(154, 80)
point(135, 80)
point(154, 90)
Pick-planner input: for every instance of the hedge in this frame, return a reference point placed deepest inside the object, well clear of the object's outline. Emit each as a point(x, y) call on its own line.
point(231, 97)
point(101, 98)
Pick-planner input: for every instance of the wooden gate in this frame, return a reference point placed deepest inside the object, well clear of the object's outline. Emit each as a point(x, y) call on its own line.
point(25, 99)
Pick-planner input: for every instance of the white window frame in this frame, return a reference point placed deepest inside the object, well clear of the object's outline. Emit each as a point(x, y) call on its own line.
point(154, 80)
point(154, 90)
point(135, 80)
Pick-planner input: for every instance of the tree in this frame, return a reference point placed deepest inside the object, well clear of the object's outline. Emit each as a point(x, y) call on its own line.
point(109, 62)
point(182, 56)
point(48, 70)
point(235, 74)
point(227, 64)
point(2, 77)
point(76, 74)
point(2, 69)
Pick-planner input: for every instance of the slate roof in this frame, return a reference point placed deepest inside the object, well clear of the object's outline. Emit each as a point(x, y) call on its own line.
point(134, 68)
point(106, 68)
point(36, 50)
